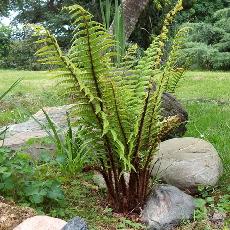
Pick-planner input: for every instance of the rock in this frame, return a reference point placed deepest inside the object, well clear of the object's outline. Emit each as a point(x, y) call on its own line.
point(75, 224)
point(41, 223)
point(166, 207)
point(187, 162)
point(218, 219)
point(99, 180)
point(171, 107)
point(18, 134)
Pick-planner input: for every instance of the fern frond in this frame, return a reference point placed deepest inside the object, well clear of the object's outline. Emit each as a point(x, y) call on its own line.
point(149, 67)
point(118, 105)
point(167, 125)
point(172, 69)
point(92, 52)
point(86, 101)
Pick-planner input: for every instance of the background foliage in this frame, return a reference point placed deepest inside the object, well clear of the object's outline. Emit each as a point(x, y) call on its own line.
point(17, 51)
point(208, 44)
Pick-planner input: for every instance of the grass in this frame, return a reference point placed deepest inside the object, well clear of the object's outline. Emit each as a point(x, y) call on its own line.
point(205, 85)
point(205, 95)
point(36, 90)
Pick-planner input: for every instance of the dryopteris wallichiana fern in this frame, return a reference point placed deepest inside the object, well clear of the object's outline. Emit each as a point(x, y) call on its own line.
point(119, 108)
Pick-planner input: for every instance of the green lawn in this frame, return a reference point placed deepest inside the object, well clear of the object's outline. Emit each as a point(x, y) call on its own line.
point(36, 90)
point(205, 86)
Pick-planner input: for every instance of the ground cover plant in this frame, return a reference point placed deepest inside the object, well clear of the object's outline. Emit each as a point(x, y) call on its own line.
point(18, 180)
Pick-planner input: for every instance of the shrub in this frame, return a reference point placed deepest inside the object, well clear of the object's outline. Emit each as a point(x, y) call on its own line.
point(201, 55)
point(5, 33)
point(208, 44)
point(17, 49)
point(205, 33)
point(118, 104)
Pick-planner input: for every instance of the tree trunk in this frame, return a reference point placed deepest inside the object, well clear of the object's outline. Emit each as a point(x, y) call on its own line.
point(132, 10)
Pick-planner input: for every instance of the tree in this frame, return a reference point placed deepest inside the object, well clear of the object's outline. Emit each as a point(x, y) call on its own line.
point(17, 48)
point(118, 104)
point(5, 34)
point(202, 10)
point(208, 44)
point(132, 10)
point(49, 14)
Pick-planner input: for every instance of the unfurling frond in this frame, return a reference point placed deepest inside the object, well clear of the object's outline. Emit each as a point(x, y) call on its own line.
point(169, 124)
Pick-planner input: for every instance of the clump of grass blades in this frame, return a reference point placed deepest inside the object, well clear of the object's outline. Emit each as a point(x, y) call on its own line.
point(71, 151)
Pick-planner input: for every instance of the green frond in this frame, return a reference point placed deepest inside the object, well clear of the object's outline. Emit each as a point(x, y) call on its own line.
point(70, 76)
point(175, 72)
point(154, 79)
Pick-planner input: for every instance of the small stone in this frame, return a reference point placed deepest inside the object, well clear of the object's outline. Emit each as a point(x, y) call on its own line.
point(99, 180)
point(217, 216)
point(75, 224)
point(166, 207)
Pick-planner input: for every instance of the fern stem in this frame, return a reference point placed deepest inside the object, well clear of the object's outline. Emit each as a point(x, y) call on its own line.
point(92, 65)
point(140, 129)
point(119, 120)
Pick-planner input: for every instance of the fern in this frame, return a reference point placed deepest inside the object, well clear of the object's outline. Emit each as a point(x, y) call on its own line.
point(118, 106)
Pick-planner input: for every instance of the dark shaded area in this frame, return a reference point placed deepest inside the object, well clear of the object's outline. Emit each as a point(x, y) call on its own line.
point(171, 107)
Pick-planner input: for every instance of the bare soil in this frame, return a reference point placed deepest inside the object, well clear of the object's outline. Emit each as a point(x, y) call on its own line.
point(12, 215)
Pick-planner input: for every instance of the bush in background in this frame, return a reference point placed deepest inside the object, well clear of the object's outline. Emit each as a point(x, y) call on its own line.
point(208, 44)
point(17, 49)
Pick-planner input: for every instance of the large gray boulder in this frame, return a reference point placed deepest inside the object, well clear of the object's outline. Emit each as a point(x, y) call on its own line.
point(166, 207)
point(187, 162)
